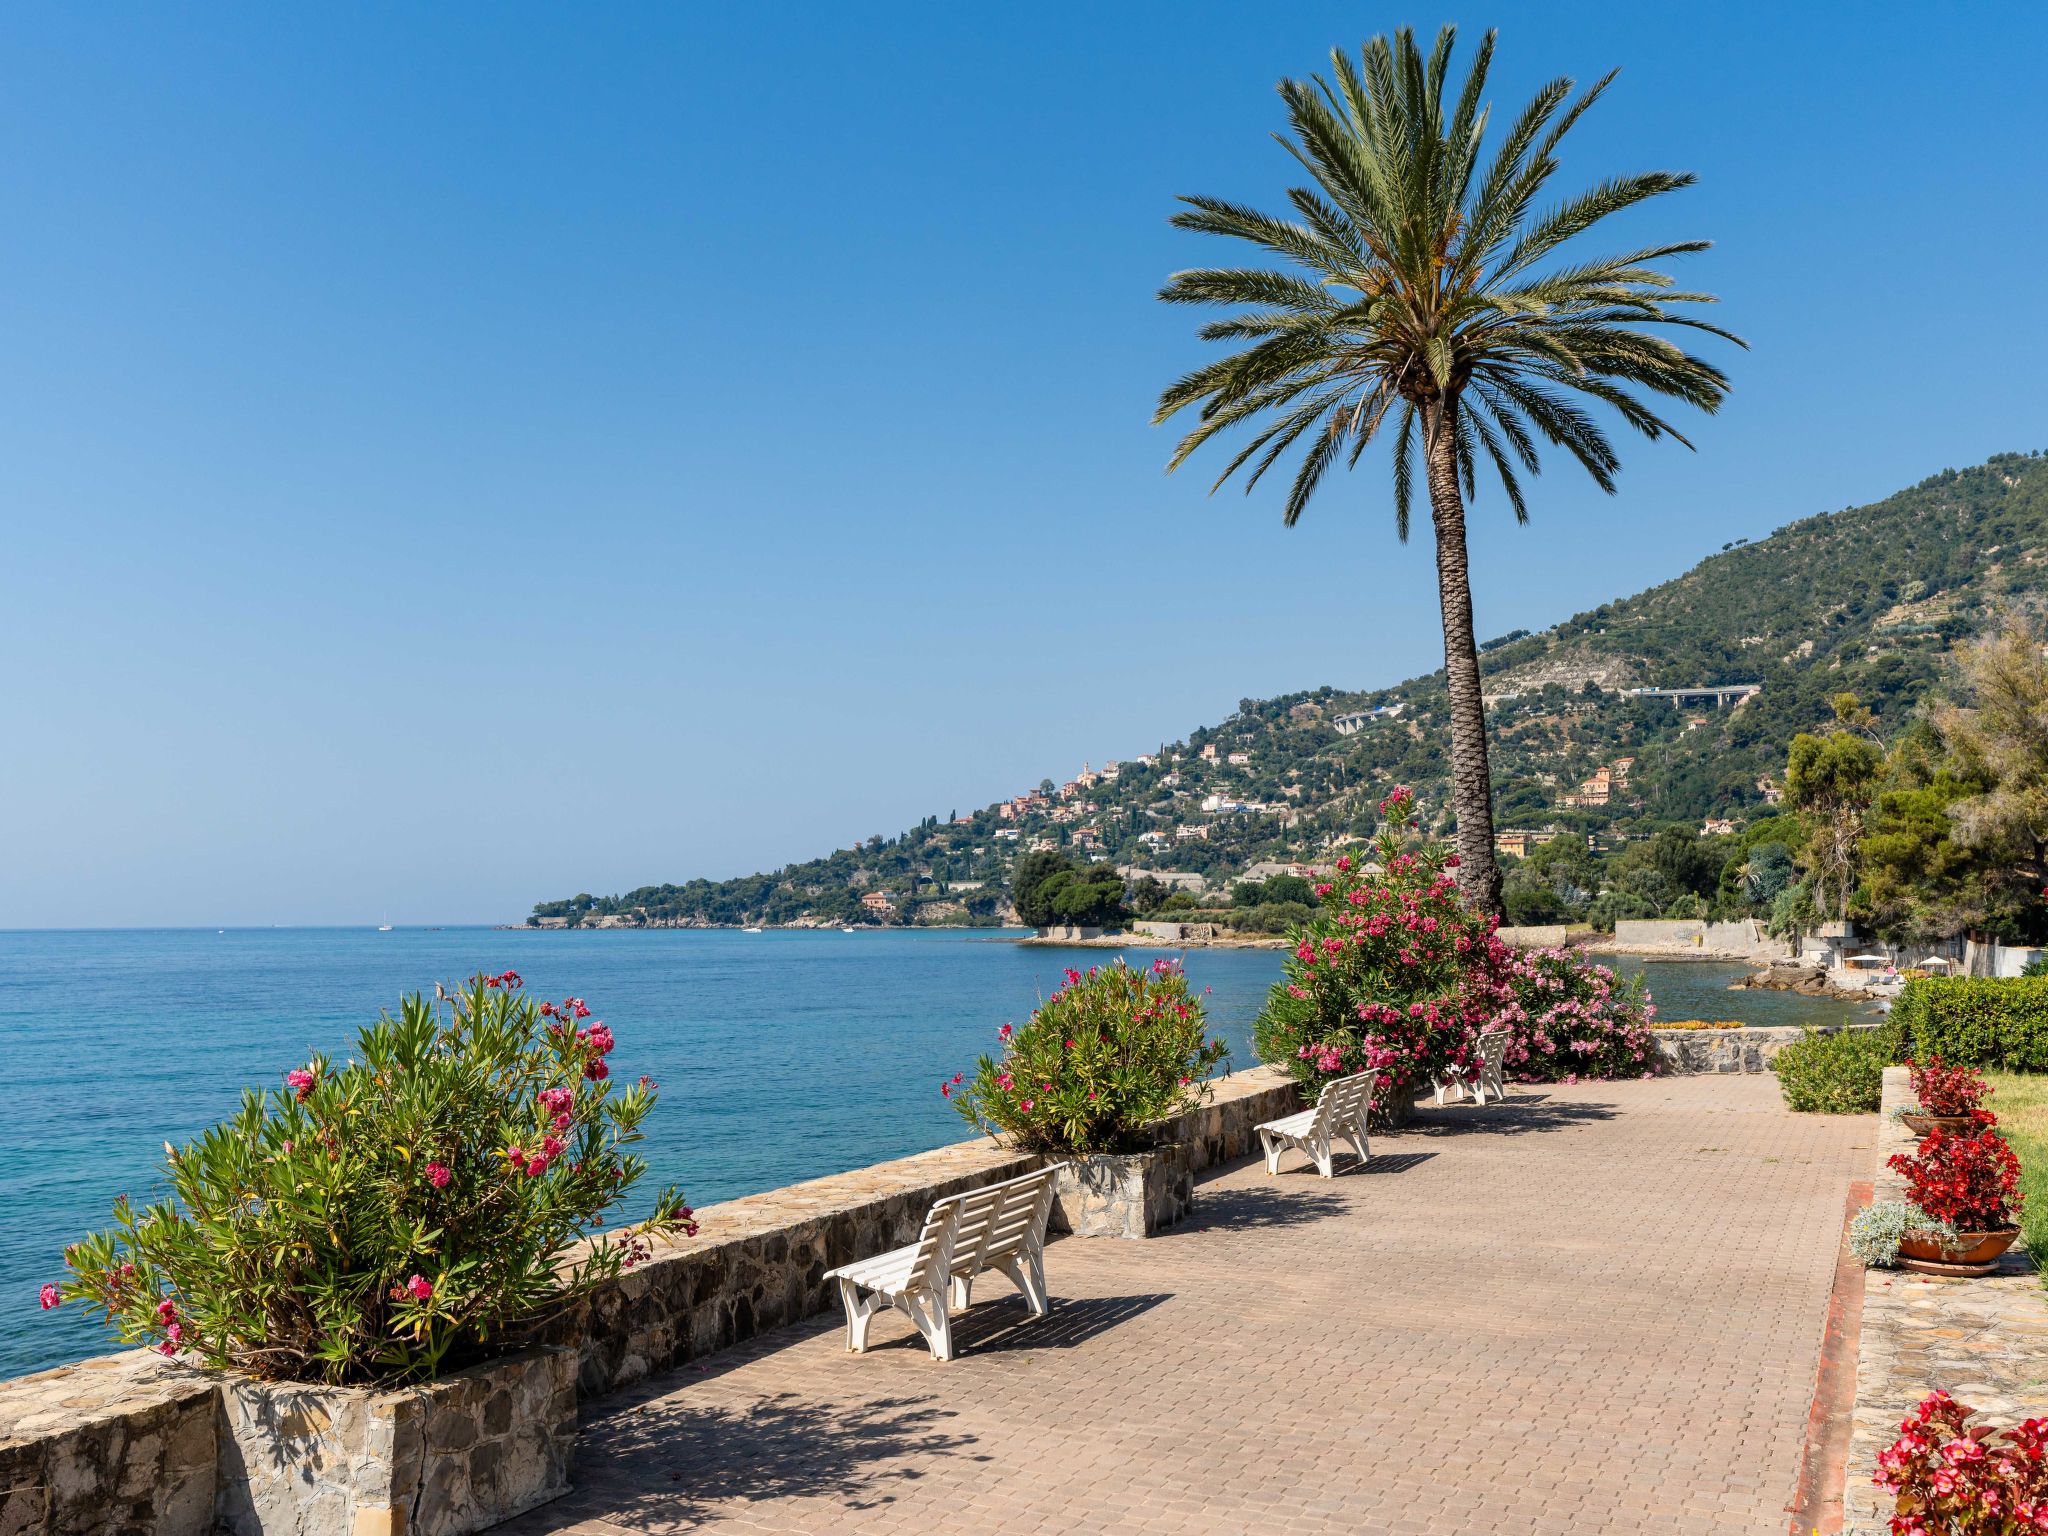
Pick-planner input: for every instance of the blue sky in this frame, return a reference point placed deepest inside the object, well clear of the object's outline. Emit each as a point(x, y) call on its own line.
point(462, 455)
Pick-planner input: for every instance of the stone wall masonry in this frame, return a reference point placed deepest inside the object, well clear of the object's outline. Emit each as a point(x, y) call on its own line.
point(132, 1445)
point(119, 1444)
point(1745, 940)
point(1687, 1051)
point(453, 1456)
point(1138, 1195)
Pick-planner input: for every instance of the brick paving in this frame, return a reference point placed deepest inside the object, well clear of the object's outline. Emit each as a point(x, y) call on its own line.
point(1595, 1308)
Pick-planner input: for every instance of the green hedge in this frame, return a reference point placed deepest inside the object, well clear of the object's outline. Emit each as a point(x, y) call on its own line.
point(1838, 1073)
point(1977, 1022)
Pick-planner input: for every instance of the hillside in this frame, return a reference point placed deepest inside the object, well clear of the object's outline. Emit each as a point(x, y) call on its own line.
point(1867, 600)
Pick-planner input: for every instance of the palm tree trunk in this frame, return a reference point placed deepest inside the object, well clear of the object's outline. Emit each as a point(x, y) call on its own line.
point(1471, 778)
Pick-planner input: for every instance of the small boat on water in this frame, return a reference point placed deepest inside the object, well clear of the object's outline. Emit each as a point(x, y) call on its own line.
point(750, 930)
point(846, 930)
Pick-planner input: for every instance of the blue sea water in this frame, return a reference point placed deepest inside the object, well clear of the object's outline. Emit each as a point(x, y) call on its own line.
point(781, 1055)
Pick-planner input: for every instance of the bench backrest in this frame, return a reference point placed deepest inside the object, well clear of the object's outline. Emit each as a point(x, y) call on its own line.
point(1345, 1098)
point(933, 1261)
point(998, 1220)
point(1492, 1046)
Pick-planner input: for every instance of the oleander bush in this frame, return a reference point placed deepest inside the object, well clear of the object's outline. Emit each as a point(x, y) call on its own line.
point(1394, 973)
point(1567, 1020)
point(424, 1204)
point(1977, 1021)
point(1839, 1072)
point(1097, 1065)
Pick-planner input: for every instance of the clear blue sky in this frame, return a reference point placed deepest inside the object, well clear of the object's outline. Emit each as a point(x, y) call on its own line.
point(460, 455)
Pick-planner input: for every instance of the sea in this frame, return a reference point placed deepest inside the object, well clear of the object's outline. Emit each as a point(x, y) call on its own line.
point(780, 1056)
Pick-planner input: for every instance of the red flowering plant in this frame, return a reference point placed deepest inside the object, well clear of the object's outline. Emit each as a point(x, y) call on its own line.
point(1567, 1020)
point(428, 1203)
point(1100, 1062)
point(1971, 1182)
point(1950, 1477)
point(1395, 972)
point(1945, 1090)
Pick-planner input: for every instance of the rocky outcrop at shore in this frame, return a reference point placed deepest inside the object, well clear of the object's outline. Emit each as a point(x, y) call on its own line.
point(1806, 980)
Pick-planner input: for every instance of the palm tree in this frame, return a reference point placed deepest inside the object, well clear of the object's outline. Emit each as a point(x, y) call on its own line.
point(1425, 291)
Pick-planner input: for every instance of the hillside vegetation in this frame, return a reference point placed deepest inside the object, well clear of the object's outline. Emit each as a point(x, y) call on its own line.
point(1868, 600)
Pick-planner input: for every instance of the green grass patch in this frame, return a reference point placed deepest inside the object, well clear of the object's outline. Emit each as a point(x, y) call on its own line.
point(2021, 1104)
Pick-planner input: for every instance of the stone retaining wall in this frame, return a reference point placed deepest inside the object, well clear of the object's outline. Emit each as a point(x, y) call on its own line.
point(130, 1443)
point(1536, 935)
point(1751, 1049)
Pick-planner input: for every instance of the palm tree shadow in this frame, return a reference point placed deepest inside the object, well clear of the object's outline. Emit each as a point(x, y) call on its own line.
point(671, 1464)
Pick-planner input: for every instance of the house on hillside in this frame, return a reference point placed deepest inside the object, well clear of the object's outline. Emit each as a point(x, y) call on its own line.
point(881, 903)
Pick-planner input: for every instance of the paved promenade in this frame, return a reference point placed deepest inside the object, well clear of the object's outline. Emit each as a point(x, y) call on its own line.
point(1594, 1309)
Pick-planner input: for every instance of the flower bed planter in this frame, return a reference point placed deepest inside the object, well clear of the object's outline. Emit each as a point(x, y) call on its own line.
point(444, 1458)
point(1971, 1254)
point(1955, 1125)
point(1137, 1194)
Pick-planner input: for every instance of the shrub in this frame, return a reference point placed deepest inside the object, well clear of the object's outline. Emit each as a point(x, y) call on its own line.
point(1955, 1478)
point(1394, 973)
point(1977, 1021)
point(1095, 1066)
point(1876, 1231)
point(380, 1220)
point(1970, 1182)
point(1941, 1090)
point(1568, 1020)
point(1610, 907)
point(1834, 1073)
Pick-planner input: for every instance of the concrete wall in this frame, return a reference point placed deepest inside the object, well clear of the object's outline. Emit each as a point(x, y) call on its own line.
point(1536, 936)
point(130, 1443)
point(1173, 933)
point(1745, 939)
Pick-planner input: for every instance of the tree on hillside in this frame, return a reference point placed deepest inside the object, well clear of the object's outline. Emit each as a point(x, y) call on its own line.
point(1027, 881)
point(1832, 777)
point(1996, 732)
point(1427, 293)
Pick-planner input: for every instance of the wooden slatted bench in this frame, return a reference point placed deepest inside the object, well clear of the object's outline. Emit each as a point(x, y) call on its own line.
point(1340, 1110)
point(999, 1226)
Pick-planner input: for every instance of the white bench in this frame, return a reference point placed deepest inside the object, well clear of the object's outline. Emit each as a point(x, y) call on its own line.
point(1000, 1226)
point(1340, 1110)
point(1483, 1075)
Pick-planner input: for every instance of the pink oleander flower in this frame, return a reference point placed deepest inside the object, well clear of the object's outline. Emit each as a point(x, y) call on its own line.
point(1005, 1032)
point(167, 1349)
point(596, 1070)
point(556, 1101)
point(49, 1297)
point(1025, 1106)
point(599, 1038)
point(301, 1082)
point(166, 1310)
point(421, 1289)
point(438, 1175)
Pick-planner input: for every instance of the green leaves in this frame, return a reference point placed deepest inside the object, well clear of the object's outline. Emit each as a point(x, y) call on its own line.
point(369, 1221)
point(1447, 266)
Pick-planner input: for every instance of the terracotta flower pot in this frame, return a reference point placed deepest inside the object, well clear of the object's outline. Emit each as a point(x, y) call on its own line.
point(1973, 1253)
point(1954, 1125)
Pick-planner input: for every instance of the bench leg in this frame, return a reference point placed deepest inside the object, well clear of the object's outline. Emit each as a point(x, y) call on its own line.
point(927, 1309)
point(1355, 1134)
point(860, 1311)
point(1027, 1273)
point(1320, 1151)
point(1272, 1148)
point(1441, 1085)
point(963, 1292)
